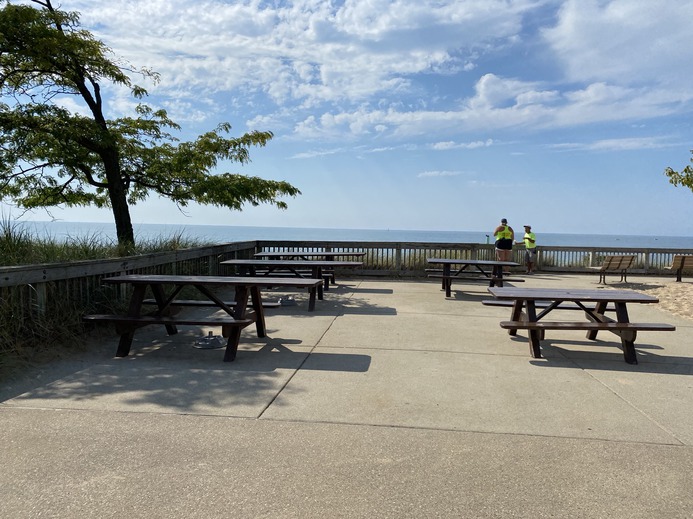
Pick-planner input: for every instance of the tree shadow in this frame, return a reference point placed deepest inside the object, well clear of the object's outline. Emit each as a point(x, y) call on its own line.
point(157, 381)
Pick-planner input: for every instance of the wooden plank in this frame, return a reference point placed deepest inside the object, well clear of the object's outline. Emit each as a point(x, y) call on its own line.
point(475, 278)
point(567, 325)
point(200, 302)
point(681, 262)
point(153, 319)
point(564, 305)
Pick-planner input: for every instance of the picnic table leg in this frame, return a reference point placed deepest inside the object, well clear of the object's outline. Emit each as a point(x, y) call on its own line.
point(256, 303)
point(320, 276)
point(496, 272)
point(515, 314)
point(627, 337)
point(447, 282)
point(311, 299)
point(599, 310)
point(160, 298)
point(127, 334)
point(239, 312)
point(535, 336)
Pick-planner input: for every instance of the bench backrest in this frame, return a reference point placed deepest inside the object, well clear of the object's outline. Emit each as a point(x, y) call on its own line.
point(618, 262)
point(682, 261)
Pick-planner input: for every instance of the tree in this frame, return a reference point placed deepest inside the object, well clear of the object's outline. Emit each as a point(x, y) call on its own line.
point(681, 178)
point(51, 157)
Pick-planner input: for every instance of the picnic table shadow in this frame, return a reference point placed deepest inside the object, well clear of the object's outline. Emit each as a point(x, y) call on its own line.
point(648, 360)
point(353, 305)
point(259, 354)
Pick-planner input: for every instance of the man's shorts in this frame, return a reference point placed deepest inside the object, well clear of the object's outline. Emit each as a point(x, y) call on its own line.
point(504, 244)
point(531, 255)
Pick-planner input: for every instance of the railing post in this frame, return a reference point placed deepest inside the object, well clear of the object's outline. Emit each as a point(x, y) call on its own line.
point(41, 298)
point(398, 258)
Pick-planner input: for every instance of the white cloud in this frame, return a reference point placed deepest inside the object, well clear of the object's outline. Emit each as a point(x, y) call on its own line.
point(625, 144)
point(451, 145)
point(364, 69)
point(623, 41)
point(426, 174)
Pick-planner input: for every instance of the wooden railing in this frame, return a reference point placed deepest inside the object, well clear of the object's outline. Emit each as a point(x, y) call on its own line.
point(409, 259)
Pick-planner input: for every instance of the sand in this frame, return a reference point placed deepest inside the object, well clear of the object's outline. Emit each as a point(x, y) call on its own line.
point(676, 298)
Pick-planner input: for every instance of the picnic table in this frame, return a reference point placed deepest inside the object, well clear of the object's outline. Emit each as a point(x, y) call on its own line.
point(314, 269)
point(307, 255)
point(237, 315)
point(593, 304)
point(479, 270)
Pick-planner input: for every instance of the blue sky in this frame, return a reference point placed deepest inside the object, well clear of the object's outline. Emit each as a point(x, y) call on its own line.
point(425, 114)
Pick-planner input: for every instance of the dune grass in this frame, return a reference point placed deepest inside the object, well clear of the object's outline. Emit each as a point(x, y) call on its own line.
point(19, 246)
point(27, 336)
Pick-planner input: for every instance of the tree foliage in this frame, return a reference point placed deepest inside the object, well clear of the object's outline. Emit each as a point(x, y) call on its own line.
point(681, 178)
point(52, 156)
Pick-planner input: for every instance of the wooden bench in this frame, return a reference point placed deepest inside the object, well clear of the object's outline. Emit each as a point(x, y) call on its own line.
point(200, 302)
point(626, 331)
point(611, 326)
point(475, 278)
point(327, 275)
point(618, 264)
point(680, 263)
point(124, 323)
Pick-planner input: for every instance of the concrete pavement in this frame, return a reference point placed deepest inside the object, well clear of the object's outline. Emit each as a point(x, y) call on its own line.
point(389, 400)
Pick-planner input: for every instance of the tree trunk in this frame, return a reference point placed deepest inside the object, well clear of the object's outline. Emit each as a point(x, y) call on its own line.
point(119, 203)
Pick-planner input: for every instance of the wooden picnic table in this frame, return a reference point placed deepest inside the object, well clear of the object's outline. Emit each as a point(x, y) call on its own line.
point(481, 270)
point(592, 302)
point(307, 255)
point(247, 290)
point(314, 269)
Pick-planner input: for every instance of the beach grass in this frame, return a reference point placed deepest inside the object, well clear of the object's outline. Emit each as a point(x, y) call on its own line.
point(19, 246)
point(29, 336)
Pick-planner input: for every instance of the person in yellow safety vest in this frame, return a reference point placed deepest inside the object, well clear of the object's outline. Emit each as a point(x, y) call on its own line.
point(530, 242)
point(504, 236)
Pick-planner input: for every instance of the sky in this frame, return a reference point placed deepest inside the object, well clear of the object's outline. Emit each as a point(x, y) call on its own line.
point(423, 114)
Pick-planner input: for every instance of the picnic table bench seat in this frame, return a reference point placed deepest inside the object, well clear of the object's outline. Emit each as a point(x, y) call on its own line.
point(125, 323)
point(580, 325)
point(681, 262)
point(201, 302)
point(326, 274)
point(472, 277)
point(618, 264)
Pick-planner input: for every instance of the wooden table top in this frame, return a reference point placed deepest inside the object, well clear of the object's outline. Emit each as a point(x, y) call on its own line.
point(572, 294)
point(164, 279)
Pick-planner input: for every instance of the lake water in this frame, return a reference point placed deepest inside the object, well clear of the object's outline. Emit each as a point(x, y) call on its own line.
point(60, 230)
